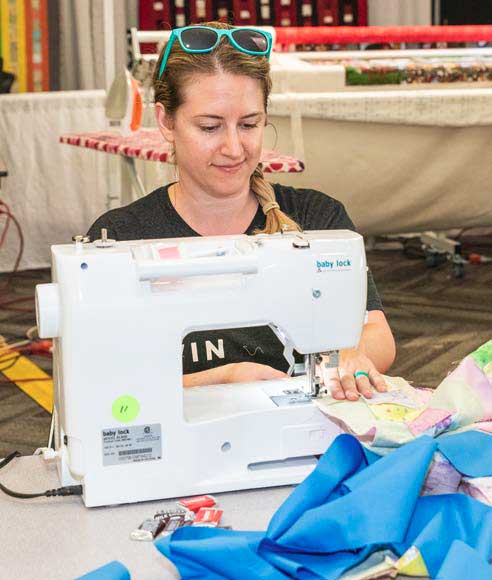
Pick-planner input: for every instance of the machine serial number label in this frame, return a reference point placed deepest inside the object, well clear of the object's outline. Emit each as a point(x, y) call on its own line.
point(131, 444)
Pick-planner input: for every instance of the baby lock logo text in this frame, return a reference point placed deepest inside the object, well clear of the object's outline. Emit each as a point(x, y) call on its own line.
point(333, 264)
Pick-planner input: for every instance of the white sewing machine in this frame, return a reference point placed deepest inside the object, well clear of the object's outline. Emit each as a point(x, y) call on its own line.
point(118, 311)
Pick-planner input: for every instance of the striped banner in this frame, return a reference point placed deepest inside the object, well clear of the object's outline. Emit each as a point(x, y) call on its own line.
point(24, 43)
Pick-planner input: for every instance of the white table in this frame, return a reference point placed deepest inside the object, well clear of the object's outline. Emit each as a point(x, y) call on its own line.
point(61, 539)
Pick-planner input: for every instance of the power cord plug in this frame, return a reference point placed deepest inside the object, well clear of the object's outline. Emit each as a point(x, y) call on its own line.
point(61, 491)
point(47, 452)
point(66, 490)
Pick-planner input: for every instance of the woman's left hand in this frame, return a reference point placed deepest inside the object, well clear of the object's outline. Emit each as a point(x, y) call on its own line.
point(342, 382)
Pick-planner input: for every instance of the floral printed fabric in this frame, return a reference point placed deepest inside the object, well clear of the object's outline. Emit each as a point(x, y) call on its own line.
point(462, 401)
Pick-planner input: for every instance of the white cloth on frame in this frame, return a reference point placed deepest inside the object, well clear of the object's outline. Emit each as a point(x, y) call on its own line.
point(53, 190)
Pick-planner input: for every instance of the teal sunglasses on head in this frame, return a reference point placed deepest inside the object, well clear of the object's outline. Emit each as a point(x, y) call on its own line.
point(195, 39)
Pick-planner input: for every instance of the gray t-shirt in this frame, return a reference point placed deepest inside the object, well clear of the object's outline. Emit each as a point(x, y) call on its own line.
point(154, 216)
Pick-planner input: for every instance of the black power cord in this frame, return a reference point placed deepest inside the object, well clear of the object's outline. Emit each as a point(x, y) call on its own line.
point(9, 458)
point(60, 491)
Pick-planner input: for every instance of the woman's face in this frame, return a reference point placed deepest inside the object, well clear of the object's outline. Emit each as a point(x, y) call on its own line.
point(217, 132)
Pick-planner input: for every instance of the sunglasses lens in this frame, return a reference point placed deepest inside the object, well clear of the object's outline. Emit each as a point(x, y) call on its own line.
point(198, 38)
point(250, 40)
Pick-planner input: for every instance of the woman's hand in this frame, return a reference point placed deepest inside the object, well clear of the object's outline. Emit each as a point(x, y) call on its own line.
point(248, 372)
point(342, 382)
point(375, 353)
point(243, 372)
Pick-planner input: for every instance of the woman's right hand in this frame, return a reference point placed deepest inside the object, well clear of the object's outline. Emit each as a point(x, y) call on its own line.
point(243, 372)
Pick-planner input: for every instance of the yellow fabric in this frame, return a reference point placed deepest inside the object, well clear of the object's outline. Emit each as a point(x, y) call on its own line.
point(39, 390)
point(391, 412)
point(4, 21)
point(412, 563)
point(14, 37)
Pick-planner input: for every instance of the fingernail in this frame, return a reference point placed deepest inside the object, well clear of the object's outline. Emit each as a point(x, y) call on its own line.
point(352, 396)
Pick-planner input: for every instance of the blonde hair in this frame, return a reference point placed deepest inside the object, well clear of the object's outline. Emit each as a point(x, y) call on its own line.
point(181, 66)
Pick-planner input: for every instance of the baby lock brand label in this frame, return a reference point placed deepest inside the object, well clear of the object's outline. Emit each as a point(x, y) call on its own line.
point(131, 444)
point(333, 263)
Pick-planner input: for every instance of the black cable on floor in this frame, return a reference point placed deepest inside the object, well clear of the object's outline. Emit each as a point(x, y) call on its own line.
point(60, 491)
point(14, 360)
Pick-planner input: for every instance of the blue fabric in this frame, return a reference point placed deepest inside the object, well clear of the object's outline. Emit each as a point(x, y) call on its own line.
point(463, 562)
point(467, 452)
point(350, 506)
point(200, 547)
point(440, 520)
point(112, 571)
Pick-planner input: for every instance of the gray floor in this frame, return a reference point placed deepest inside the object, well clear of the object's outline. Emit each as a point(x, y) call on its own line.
point(436, 319)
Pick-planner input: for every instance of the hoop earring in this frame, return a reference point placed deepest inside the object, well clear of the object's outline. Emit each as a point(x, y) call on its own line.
point(172, 162)
point(276, 133)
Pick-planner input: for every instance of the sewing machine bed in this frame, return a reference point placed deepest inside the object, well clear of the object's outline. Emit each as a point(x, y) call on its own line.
point(218, 401)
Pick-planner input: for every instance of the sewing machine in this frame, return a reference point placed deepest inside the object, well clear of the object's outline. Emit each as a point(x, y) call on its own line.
point(118, 311)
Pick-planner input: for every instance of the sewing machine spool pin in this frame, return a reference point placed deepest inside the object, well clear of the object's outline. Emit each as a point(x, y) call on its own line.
point(79, 242)
point(104, 242)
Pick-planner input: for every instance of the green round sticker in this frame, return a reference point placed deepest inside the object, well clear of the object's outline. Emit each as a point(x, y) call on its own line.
point(125, 408)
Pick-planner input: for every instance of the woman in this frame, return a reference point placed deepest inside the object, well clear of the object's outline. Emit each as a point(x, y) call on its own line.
point(211, 106)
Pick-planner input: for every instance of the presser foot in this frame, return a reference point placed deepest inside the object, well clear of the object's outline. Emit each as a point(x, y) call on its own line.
point(315, 382)
point(319, 390)
point(313, 363)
